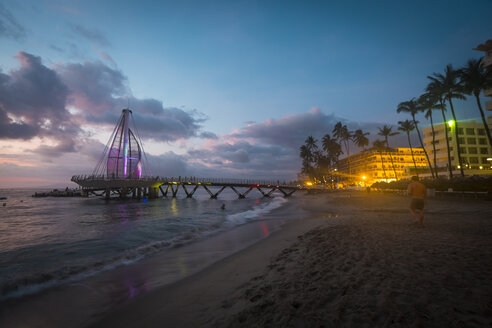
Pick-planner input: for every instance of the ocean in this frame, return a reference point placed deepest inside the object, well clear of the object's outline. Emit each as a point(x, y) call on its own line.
point(51, 242)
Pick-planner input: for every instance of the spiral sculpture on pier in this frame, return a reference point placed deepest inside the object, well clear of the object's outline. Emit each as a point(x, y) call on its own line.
point(123, 156)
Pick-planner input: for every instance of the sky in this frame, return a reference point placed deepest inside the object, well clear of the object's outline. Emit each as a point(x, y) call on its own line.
point(217, 88)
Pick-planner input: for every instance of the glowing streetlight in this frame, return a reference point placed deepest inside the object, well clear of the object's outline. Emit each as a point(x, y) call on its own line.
point(450, 123)
point(363, 177)
point(459, 167)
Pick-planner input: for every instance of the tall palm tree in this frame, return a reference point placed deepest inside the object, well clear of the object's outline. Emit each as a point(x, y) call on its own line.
point(360, 140)
point(380, 145)
point(311, 143)
point(332, 149)
point(435, 89)
point(475, 78)
point(304, 153)
point(412, 107)
point(342, 133)
point(386, 132)
point(452, 90)
point(309, 153)
point(429, 102)
point(407, 127)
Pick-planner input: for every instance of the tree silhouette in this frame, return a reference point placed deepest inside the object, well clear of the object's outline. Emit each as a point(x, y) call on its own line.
point(452, 89)
point(407, 127)
point(429, 103)
point(342, 133)
point(475, 78)
point(386, 132)
point(435, 89)
point(413, 108)
point(380, 145)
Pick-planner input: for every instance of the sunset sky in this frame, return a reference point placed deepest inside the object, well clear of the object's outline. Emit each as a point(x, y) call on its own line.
point(217, 88)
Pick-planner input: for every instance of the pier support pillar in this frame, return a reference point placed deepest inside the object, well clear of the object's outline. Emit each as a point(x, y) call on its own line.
point(107, 194)
point(139, 193)
point(123, 192)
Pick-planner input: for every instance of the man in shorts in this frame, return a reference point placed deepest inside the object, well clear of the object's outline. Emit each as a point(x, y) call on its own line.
point(418, 192)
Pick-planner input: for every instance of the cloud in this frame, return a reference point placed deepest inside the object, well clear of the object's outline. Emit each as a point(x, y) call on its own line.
point(91, 34)
point(32, 103)
point(9, 26)
point(94, 87)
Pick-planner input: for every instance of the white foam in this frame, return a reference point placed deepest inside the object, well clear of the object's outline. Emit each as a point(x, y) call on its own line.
point(243, 217)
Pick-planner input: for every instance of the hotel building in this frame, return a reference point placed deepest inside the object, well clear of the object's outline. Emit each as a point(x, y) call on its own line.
point(476, 153)
point(369, 166)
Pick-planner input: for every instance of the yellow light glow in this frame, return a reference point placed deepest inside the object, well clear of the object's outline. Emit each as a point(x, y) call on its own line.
point(309, 183)
point(363, 177)
point(481, 167)
point(459, 167)
point(489, 158)
point(451, 123)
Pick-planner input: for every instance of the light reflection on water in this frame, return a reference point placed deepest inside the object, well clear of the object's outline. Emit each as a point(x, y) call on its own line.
point(46, 239)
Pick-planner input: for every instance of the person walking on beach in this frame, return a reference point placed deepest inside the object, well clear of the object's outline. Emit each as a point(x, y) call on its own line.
point(417, 191)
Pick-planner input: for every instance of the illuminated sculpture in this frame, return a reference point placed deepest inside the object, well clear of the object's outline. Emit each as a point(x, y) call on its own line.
point(123, 156)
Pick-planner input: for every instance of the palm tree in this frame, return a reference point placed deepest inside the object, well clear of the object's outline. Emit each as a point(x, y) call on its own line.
point(407, 127)
point(412, 107)
point(475, 78)
point(342, 133)
point(379, 145)
point(452, 89)
point(429, 102)
point(332, 149)
point(435, 89)
point(360, 140)
point(311, 143)
point(386, 132)
point(305, 154)
point(309, 154)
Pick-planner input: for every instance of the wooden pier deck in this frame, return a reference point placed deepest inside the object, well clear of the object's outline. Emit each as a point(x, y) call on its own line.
point(155, 187)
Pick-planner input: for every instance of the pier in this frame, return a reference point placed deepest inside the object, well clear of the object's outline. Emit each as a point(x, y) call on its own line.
point(123, 172)
point(156, 187)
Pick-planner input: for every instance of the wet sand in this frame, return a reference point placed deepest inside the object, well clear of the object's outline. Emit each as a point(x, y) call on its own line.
point(352, 260)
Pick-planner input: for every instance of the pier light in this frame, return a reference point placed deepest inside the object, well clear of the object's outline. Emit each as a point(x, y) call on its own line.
point(363, 177)
point(489, 159)
point(309, 183)
point(481, 167)
point(459, 167)
point(450, 123)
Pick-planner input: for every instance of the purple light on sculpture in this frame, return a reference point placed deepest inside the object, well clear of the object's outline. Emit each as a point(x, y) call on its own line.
point(124, 155)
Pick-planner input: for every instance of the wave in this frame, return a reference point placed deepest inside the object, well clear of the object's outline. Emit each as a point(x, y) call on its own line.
point(37, 282)
point(243, 217)
point(34, 283)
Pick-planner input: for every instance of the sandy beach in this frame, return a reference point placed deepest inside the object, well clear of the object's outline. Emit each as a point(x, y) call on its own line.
point(354, 260)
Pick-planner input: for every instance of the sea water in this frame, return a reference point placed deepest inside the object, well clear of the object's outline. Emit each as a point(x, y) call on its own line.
point(46, 242)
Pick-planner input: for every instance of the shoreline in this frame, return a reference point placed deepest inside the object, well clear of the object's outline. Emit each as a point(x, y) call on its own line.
point(78, 303)
point(359, 260)
point(189, 300)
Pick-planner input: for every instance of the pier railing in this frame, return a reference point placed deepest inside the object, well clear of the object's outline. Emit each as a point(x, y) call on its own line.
point(191, 180)
point(153, 186)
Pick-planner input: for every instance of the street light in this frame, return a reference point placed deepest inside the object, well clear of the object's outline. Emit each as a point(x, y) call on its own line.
point(450, 123)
